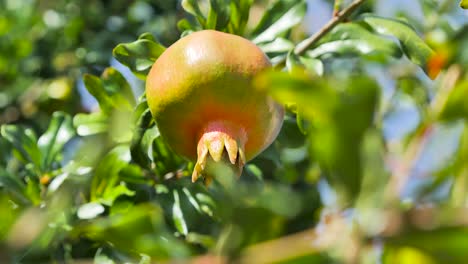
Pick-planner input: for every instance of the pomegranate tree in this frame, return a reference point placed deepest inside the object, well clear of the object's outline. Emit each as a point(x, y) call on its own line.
point(200, 93)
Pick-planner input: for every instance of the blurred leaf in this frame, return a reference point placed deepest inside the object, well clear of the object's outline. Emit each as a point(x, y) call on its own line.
point(447, 244)
point(464, 4)
point(456, 105)
point(13, 186)
point(105, 187)
point(204, 240)
point(353, 39)
point(139, 229)
point(287, 21)
point(191, 7)
point(314, 67)
point(185, 25)
point(413, 46)
point(139, 55)
point(290, 135)
point(24, 141)
point(133, 174)
point(90, 124)
point(102, 259)
point(239, 16)
point(177, 215)
point(112, 194)
point(339, 119)
point(218, 15)
point(274, 12)
point(90, 210)
point(51, 143)
point(279, 45)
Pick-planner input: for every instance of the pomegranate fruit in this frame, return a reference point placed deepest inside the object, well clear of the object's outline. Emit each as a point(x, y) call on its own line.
point(200, 93)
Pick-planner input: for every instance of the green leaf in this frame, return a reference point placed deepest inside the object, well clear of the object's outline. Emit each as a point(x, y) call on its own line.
point(314, 67)
point(274, 12)
point(96, 89)
point(191, 7)
point(24, 142)
point(106, 176)
point(90, 210)
point(111, 194)
point(352, 38)
point(111, 90)
point(290, 135)
point(139, 55)
point(139, 229)
point(456, 105)
point(413, 46)
point(185, 25)
point(144, 148)
point(287, 21)
point(239, 16)
point(279, 45)
point(13, 186)
point(90, 124)
point(177, 215)
point(204, 240)
point(117, 86)
point(340, 111)
point(218, 16)
point(464, 4)
point(51, 143)
point(133, 174)
point(446, 243)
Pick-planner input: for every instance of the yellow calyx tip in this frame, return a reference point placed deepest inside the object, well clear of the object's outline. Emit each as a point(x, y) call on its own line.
point(215, 143)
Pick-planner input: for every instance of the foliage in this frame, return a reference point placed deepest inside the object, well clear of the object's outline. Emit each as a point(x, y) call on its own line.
point(369, 167)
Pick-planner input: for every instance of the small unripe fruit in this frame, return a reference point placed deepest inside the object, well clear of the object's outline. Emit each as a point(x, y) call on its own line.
point(200, 93)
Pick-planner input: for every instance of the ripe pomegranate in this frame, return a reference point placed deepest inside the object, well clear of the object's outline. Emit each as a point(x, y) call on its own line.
point(200, 93)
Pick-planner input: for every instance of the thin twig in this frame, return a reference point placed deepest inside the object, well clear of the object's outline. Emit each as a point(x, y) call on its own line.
point(337, 7)
point(309, 42)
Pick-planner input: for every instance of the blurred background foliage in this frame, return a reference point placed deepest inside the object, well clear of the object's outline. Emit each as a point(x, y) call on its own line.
point(371, 165)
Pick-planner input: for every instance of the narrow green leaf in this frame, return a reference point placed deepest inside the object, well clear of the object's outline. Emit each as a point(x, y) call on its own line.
point(218, 15)
point(177, 215)
point(111, 194)
point(290, 19)
point(413, 46)
point(24, 141)
point(350, 47)
point(13, 186)
point(106, 174)
point(90, 124)
point(353, 39)
point(191, 7)
point(239, 16)
point(184, 25)
point(96, 89)
point(60, 131)
point(274, 11)
point(279, 45)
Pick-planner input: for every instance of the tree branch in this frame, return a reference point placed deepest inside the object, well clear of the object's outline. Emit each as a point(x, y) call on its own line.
point(309, 42)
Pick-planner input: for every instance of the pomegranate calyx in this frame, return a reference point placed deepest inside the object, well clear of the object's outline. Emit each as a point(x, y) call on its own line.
point(224, 142)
